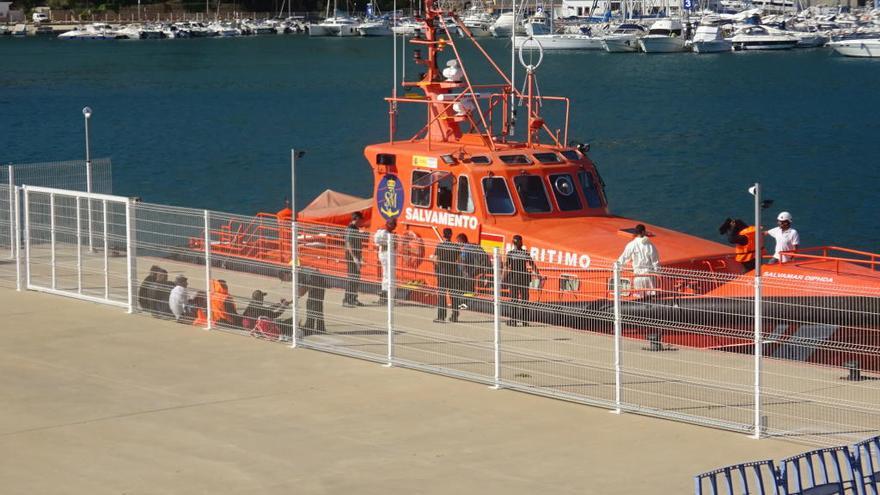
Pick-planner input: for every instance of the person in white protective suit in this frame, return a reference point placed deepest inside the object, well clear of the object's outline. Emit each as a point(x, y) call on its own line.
point(645, 260)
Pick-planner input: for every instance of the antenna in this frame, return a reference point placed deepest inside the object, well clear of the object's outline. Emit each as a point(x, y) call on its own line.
point(513, 72)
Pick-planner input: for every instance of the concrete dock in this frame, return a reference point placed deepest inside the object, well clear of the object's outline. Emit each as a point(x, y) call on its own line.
point(97, 401)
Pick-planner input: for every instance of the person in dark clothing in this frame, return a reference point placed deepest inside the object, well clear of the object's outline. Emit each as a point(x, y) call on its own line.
point(257, 307)
point(518, 270)
point(161, 294)
point(473, 262)
point(446, 258)
point(742, 237)
point(154, 291)
point(313, 284)
point(354, 244)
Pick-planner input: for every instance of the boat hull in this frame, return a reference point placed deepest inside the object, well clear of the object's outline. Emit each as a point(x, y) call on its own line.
point(621, 44)
point(661, 44)
point(857, 48)
point(713, 46)
point(563, 42)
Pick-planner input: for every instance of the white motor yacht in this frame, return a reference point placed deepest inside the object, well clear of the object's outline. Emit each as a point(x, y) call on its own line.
point(407, 27)
point(710, 39)
point(503, 26)
point(624, 39)
point(477, 20)
point(224, 29)
point(763, 38)
point(94, 31)
point(561, 42)
point(868, 47)
point(338, 25)
point(664, 36)
point(376, 27)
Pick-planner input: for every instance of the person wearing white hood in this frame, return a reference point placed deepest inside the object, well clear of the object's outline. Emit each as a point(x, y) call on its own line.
point(645, 261)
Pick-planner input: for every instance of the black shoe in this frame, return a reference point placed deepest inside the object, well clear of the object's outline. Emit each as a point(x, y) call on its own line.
point(347, 305)
point(439, 320)
point(359, 304)
point(453, 319)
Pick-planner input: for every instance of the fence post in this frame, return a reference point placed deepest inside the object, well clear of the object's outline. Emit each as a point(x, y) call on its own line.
point(79, 257)
point(390, 271)
point(17, 231)
point(130, 250)
point(27, 238)
point(207, 242)
point(294, 284)
point(618, 334)
point(758, 357)
point(496, 314)
point(106, 252)
point(52, 238)
point(10, 174)
point(756, 192)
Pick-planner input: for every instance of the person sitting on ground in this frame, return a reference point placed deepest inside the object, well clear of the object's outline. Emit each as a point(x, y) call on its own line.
point(198, 309)
point(162, 294)
point(257, 308)
point(178, 300)
point(146, 291)
point(223, 310)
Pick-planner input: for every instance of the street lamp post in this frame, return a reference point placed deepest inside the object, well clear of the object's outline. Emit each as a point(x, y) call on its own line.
point(294, 154)
point(756, 192)
point(87, 114)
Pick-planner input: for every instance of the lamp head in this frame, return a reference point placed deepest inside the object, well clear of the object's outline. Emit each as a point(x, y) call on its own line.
point(300, 154)
point(87, 111)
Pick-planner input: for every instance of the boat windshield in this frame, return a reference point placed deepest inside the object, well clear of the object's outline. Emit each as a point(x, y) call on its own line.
point(498, 200)
point(591, 192)
point(532, 194)
point(564, 192)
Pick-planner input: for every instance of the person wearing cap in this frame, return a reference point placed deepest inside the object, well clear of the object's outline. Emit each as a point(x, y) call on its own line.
point(645, 260)
point(446, 256)
point(517, 275)
point(178, 301)
point(382, 239)
point(787, 238)
point(257, 308)
point(354, 257)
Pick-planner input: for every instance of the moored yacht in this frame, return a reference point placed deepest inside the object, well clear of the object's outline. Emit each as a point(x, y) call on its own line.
point(624, 39)
point(504, 25)
point(664, 36)
point(94, 31)
point(868, 48)
point(477, 20)
point(709, 39)
point(763, 38)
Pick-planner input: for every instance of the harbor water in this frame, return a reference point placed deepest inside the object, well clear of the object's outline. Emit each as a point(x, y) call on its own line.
point(678, 138)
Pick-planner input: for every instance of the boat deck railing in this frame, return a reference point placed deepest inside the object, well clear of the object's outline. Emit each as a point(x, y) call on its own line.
point(839, 255)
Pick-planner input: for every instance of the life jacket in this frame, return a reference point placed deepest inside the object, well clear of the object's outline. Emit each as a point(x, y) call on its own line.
point(219, 297)
point(746, 252)
point(201, 319)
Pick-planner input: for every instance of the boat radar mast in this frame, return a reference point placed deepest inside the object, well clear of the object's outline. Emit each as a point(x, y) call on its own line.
point(460, 111)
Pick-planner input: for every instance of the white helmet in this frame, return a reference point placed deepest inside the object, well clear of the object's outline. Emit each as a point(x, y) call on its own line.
point(784, 217)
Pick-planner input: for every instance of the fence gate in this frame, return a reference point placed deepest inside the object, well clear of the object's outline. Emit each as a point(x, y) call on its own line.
point(76, 244)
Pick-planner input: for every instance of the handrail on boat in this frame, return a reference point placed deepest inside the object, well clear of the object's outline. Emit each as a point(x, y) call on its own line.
point(826, 253)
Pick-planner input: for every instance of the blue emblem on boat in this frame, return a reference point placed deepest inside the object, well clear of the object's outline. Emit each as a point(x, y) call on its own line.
point(389, 196)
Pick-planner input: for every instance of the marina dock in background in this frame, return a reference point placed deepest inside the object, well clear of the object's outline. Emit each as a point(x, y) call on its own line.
point(115, 403)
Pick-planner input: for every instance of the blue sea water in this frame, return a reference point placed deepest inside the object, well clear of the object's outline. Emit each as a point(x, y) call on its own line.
point(678, 138)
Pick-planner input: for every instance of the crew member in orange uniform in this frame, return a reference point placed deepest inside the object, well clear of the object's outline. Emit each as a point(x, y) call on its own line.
point(742, 236)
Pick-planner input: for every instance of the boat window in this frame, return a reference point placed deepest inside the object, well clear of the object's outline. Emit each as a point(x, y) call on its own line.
point(421, 188)
point(498, 200)
point(532, 195)
point(444, 192)
point(591, 192)
point(547, 157)
point(571, 155)
point(515, 159)
point(565, 193)
point(465, 202)
point(481, 160)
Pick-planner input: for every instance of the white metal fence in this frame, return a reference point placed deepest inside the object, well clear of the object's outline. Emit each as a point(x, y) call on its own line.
point(683, 350)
